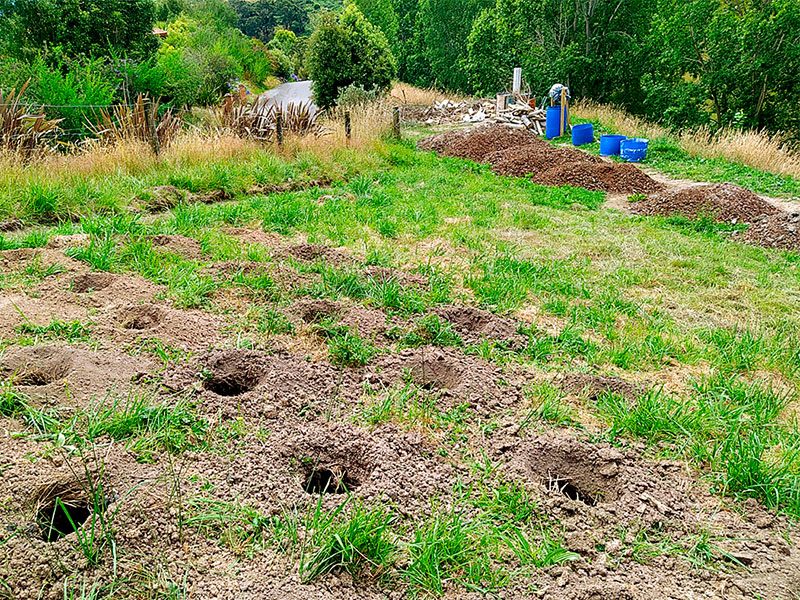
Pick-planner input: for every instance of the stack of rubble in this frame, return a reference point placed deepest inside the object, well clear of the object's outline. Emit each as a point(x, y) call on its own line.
point(518, 115)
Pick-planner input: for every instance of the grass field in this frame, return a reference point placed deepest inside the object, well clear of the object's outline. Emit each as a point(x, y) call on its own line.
point(703, 331)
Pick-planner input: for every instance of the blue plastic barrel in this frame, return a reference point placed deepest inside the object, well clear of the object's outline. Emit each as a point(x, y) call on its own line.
point(634, 149)
point(552, 128)
point(609, 144)
point(582, 134)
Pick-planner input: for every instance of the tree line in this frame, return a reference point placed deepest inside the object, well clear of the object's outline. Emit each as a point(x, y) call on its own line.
point(684, 63)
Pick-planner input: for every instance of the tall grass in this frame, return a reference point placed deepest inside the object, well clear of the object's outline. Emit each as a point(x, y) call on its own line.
point(758, 149)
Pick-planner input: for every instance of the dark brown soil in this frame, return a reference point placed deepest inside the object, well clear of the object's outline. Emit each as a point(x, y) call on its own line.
point(549, 165)
point(478, 143)
point(774, 231)
point(523, 154)
point(722, 202)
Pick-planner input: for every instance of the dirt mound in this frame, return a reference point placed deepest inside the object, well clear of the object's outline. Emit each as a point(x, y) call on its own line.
point(312, 252)
point(474, 324)
point(722, 202)
point(620, 488)
point(549, 165)
point(522, 154)
point(455, 378)
point(37, 366)
point(775, 231)
point(92, 281)
point(594, 386)
point(316, 310)
point(233, 372)
point(478, 143)
point(178, 244)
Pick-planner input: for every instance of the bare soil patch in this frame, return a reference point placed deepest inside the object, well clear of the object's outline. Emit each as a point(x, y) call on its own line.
point(474, 324)
point(313, 252)
point(178, 244)
point(457, 378)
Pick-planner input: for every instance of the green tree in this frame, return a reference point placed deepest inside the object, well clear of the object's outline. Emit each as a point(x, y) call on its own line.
point(381, 14)
point(78, 27)
point(345, 50)
point(260, 18)
point(441, 30)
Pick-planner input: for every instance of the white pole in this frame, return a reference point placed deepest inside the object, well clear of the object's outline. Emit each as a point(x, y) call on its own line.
point(517, 80)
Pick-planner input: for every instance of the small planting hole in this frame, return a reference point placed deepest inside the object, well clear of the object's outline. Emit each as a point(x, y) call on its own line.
point(329, 481)
point(141, 317)
point(571, 491)
point(33, 378)
point(230, 385)
point(61, 517)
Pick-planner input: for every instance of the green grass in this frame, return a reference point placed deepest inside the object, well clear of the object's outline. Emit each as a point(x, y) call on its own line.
point(728, 427)
point(146, 425)
point(68, 331)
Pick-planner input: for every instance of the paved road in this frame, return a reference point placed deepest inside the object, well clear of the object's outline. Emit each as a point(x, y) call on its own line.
point(296, 92)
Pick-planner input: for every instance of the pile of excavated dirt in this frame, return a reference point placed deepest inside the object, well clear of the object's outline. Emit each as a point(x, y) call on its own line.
point(476, 144)
point(549, 165)
point(781, 230)
point(723, 202)
point(523, 154)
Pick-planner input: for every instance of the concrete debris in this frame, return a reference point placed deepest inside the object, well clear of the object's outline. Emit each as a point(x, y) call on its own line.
point(516, 116)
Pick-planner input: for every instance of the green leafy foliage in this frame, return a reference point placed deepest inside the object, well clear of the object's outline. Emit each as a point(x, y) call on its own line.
point(347, 49)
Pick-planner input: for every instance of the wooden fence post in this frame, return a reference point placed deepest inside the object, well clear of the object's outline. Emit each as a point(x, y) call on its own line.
point(396, 122)
point(150, 124)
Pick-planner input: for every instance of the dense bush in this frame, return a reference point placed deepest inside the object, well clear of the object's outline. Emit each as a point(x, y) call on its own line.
point(346, 50)
point(77, 27)
point(261, 18)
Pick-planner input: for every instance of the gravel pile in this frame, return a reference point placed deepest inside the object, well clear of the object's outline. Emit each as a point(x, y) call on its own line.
point(520, 153)
point(780, 230)
point(723, 202)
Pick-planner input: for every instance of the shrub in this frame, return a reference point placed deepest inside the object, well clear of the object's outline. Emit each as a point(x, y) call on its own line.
point(346, 50)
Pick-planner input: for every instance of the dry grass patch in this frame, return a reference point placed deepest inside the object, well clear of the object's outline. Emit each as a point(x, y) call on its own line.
point(758, 149)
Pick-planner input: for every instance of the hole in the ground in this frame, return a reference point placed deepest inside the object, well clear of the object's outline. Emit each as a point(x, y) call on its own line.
point(571, 491)
point(61, 517)
point(230, 385)
point(141, 317)
point(329, 481)
point(33, 378)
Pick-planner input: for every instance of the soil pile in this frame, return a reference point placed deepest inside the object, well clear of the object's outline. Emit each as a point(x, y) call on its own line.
point(521, 154)
point(723, 202)
point(775, 231)
point(548, 165)
point(477, 143)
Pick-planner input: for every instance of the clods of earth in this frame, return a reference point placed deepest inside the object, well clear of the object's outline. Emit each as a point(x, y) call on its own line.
point(265, 445)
